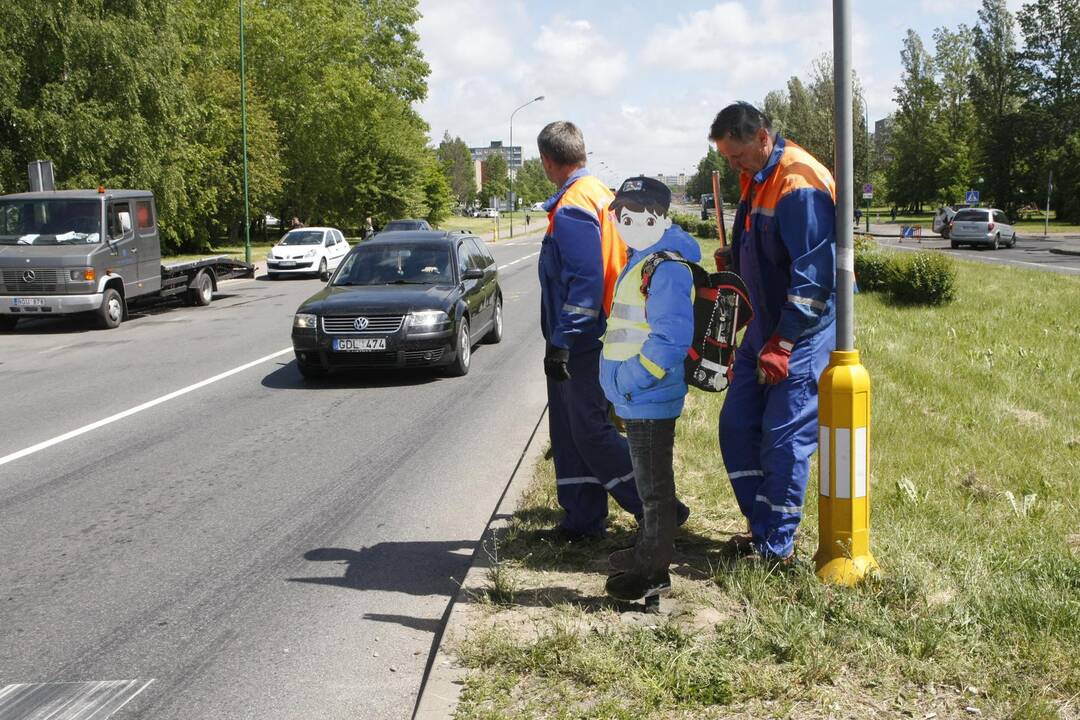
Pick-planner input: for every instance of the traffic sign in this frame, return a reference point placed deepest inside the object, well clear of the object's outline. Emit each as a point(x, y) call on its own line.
point(971, 197)
point(867, 191)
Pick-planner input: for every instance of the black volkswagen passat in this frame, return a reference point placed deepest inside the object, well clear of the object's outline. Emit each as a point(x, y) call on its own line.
point(405, 299)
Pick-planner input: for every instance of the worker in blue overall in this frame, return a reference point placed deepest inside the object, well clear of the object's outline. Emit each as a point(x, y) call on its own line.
point(784, 247)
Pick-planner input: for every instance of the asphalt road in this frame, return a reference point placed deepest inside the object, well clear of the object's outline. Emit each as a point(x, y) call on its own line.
point(256, 546)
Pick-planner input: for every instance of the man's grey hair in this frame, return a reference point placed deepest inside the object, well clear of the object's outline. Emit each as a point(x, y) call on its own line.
point(739, 121)
point(562, 142)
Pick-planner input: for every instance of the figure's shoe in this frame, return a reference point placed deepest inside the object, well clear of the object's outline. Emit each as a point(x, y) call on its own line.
point(560, 535)
point(621, 561)
point(631, 586)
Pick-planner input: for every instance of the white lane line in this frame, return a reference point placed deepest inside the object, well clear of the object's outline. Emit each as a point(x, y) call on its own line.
point(145, 406)
point(520, 259)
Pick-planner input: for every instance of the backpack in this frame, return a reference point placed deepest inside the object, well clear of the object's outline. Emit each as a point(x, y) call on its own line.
point(721, 309)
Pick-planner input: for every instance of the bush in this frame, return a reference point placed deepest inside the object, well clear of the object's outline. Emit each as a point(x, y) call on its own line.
point(873, 270)
point(923, 277)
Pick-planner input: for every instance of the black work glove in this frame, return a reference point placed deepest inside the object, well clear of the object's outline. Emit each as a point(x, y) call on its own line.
point(555, 361)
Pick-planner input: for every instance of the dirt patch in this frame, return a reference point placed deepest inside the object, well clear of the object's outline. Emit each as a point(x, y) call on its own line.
point(1030, 418)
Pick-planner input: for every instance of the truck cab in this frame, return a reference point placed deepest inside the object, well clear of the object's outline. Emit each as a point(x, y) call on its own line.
point(708, 204)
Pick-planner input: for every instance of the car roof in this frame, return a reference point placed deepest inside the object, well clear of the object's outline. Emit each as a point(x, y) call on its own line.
point(416, 237)
point(78, 195)
point(411, 220)
point(317, 227)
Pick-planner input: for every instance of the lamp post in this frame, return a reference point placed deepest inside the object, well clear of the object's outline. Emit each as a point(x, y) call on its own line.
point(510, 165)
point(243, 133)
point(866, 111)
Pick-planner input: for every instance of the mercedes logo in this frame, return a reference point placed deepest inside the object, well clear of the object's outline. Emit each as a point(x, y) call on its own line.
point(361, 323)
point(28, 276)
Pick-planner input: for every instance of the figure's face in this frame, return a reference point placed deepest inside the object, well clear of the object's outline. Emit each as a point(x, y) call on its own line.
point(748, 157)
point(640, 230)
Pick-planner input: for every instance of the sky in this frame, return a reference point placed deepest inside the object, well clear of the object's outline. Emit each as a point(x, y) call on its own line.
point(644, 80)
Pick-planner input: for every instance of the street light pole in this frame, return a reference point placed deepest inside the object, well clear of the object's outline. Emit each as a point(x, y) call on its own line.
point(866, 111)
point(510, 165)
point(243, 132)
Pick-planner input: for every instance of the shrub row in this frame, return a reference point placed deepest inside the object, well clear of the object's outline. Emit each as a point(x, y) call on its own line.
point(920, 278)
point(705, 229)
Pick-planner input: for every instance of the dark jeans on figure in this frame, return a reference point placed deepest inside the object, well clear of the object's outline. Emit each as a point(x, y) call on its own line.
point(651, 446)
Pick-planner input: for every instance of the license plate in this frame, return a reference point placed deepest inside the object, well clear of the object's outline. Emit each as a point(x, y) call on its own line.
point(287, 263)
point(359, 344)
point(30, 302)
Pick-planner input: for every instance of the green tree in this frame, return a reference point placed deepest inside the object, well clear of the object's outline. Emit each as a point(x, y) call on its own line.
point(954, 61)
point(531, 183)
point(457, 165)
point(700, 183)
point(494, 178)
point(911, 177)
point(995, 95)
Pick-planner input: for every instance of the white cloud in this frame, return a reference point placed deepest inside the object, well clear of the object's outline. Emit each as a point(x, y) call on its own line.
point(577, 60)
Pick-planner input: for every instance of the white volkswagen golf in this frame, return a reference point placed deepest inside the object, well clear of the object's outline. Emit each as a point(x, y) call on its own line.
point(307, 251)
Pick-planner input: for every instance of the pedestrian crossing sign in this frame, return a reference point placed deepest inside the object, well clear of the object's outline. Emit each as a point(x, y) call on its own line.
point(971, 197)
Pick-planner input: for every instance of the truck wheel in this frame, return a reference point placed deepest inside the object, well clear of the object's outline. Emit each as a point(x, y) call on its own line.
point(8, 323)
point(324, 273)
point(111, 312)
point(202, 290)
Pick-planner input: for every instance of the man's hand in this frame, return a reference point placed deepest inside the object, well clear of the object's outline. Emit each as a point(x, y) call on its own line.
point(722, 256)
point(555, 363)
point(772, 364)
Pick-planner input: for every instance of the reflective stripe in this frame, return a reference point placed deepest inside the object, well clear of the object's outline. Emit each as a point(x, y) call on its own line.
point(816, 304)
point(612, 483)
point(710, 365)
point(622, 311)
point(759, 210)
point(581, 310)
point(654, 369)
point(577, 481)
point(746, 473)
point(843, 463)
point(785, 509)
point(626, 335)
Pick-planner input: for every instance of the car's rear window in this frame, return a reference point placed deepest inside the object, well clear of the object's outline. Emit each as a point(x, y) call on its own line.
point(972, 215)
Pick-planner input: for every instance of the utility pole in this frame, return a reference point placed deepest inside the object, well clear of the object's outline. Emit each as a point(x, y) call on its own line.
point(843, 556)
point(243, 132)
point(1046, 217)
point(510, 165)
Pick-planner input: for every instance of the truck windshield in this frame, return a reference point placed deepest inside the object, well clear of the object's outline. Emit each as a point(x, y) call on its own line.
point(50, 222)
point(302, 237)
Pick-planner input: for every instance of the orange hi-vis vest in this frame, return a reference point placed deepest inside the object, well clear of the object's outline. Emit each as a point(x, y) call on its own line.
point(591, 195)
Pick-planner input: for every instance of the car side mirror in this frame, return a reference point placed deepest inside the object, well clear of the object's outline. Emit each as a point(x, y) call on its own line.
point(472, 274)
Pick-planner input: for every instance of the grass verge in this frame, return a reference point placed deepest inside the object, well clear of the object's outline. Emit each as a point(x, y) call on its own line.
point(976, 524)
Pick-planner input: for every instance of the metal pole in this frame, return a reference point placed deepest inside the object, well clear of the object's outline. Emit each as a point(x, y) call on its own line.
point(845, 175)
point(510, 165)
point(1046, 217)
point(866, 108)
point(243, 131)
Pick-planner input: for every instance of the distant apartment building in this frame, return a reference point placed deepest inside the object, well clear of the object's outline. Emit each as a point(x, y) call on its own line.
point(883, 130)
point(511, 154)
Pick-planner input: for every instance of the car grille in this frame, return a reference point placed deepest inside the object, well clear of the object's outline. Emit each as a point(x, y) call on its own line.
point(377, 324)
point(44, 280)
point(417, 356)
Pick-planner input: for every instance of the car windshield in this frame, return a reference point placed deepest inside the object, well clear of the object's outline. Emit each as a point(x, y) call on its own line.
point(970, 215)
point(402, 225)
point(302, 237)
point(50, 222)
point(406, 264)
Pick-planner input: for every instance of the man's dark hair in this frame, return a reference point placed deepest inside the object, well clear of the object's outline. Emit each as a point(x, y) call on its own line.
point(739, 121)
point(656, 208)
point(562, 142)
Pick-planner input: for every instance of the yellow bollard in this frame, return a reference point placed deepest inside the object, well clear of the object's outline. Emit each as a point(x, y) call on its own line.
point(843, 555)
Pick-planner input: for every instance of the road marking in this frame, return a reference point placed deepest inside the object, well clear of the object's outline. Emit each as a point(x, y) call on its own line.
point(145, 406)
point(68, 700)
point(520, 259)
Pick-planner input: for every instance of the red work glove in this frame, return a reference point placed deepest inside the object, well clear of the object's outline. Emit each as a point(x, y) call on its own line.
point(772, 362)
point(722, 256)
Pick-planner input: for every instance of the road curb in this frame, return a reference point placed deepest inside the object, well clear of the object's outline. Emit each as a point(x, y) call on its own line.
point(1065, 251)
point(445, 679)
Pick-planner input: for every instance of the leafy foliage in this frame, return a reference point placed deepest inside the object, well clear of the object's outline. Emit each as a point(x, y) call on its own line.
point(457, 166)
point(531, 183)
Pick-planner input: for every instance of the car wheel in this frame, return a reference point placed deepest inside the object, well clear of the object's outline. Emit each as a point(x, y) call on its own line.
point(997, 242)
point(463, 350)
point(494, 336)
point(310, 372)
point(8, 323)
point(111, 312)
point(201, 291)
point(324, 274)
point(954, 245)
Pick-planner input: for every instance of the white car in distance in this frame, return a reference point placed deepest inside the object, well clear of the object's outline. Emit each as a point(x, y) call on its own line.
point(307, 251)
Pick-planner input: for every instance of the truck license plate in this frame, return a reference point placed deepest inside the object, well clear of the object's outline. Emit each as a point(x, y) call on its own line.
point(30, 302)
point(359, 344)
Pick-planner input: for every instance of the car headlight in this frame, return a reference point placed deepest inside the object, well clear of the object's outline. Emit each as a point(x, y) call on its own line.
point(305, 321)
point(83, 275)
point(311, 253)
point(428, 319)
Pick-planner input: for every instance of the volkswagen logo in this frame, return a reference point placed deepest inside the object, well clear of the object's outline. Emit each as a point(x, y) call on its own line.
point(29, 276)
point(361, 323)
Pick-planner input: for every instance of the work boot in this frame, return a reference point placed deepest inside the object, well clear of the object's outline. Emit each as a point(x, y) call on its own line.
point(621, 561)
point(560, 535)
point(631, 586)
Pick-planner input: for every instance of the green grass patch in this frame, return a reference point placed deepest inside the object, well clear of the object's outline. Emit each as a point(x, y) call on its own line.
point(976, 524)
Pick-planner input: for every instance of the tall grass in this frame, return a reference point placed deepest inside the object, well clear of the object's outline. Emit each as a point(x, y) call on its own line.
point(976, 524)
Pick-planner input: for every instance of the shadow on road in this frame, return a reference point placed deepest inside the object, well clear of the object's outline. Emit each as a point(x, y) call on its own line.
point(414, 568)
point(287, 377)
